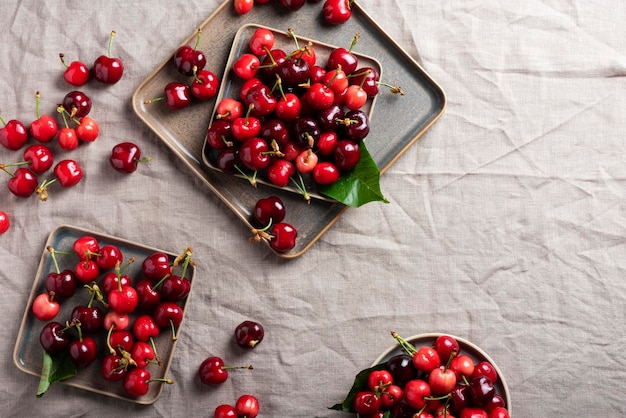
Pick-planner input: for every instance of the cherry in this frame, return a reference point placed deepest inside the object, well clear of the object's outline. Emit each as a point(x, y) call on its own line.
point(136, 381)
point(186, 57)
point(262, 100)
point(145, 328)
point(149, 297)
point(85, 246)
point(280, 171)
point(62, 283)
point(293, 71)
point(39, 158)
point(442, 380)
point(76, 73)
point(306, 131)
point(319, 96)
point(275, 130)
point(325, 173)
point(44, 128)
point(143, 354)
point(13, 134)
point(414, 393)
point(123, 299)
point(317, 73)
point(76, 104)
point(90, 317)
point(366, 403)
point(246, 66)
point(177, 95)
point(23, 182)
point(379, 379)
point(336, 12)
point(86, 271)
point(329, 119)
point(283, 237)
point(288, 107)
point(53, 337)
point(228, 109)
point(108, 69)
point(175, 288)
point(169, 314)
point(243, 6)
point(68, 173)
point(225, 410)
point(249, 334)
point(205, 85)
point(459, 398)
point(269, 209)
point(254, 153)
point(67, 138)
point(292, 5)
point(213, 372)
point(271, 63)
point(228, 160)
point(499, 412)
point(327, 142)
point(45, 307)
point(495, 402)
point(402, 369)
point(356, 125)
point(447, 346)
point(306, 161)
point(355, 97)
point(344, 58)
point(347, 154)
point(120, 340)
point(484, 368)
point(156, 266)
point(87, 129)
point(5, 222)
point(391, 396)
point(462, 365)
point(473, 413)
point(108, 256)
point(82, 352)
point(115, 320)
point(481, 390)
point(125, 157)
point(114, 367)
point(336, 80)
point(247, 406)
point(261, 41)
point(367, 78)
point(219, 134)
point(246, 127)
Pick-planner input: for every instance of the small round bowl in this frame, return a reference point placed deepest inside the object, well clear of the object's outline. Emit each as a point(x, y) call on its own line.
point(466, 347)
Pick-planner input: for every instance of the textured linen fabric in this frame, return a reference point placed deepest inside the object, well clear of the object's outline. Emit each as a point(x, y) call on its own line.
point(506, 223)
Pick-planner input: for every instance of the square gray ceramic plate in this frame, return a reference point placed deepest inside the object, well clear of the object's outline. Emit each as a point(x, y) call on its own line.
point(28, 353)
point(396, 123)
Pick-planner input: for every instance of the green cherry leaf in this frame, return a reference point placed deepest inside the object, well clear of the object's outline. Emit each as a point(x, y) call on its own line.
point(55, 368)
point(360, 384)
point(359, 186)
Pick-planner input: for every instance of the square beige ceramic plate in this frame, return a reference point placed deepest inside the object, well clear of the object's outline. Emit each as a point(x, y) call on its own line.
point(28, 353)
point(396, 123)
point(231, 85)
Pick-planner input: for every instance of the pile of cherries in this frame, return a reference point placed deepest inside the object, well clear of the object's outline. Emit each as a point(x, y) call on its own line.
point(292, 114)
point(268, 216)
point(437, 380)
point(118, 317)
point(334, 12)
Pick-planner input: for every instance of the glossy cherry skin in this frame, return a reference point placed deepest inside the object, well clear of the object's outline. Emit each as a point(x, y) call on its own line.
point(441, 380)
point(86, 271)
point(261, 41)
point(144, 328)
point(23, 182)
point(249, 334)
point(366, 402)
point(247, 406)
point(68, 172)
point(87, 129)
point(108, 69)
point(212, 371)
point(45, 307)
point(484, 368)
point(142, 353)
point(329, 119)
point(347, 154)
point(402, 369)
point(481, 390)
point(148, 296)
point(108, 256)
point(262, 100)
point(175, 288)
point(228, 109)
point(447, 347)
point(246, 66)
point(414, 393)
point(228, 160)
point(254, 153)
point(39, 157)
point(344, 58)
point(187, 57)
point(114, 320)
point(77, 103)
point(68, 140)
point(275, 130)
point(121, 340)
point(280, 171)
point(358, 126)
point(63, 284)
point(225, 411)
point(156, 266)
point(83, 352)
point(125, 157)
point(219, 134)
point(284, 237)
point(177, 95)
point(5, 222)
point(325, 173)
point(294, 71)
point(268, 209)
point(205, 85)
point(44, 128)
point(91, 318)
point(367, 78)
point(124, 300)
point(113, 368)
point(169, 314)
point(13, 135)
point(306, 131)
point(243, 6)
point(53, 337)
point(292, 5)
point(336, 12)
point(76, 73)
point(136, 382)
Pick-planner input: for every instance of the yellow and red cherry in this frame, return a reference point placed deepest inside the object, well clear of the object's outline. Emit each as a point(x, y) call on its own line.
point(45, 307)
point(355, 97)
point(367, 78)
point(205, 85)
point(462, 365)
point(247, 406)
point(442, 380)
point(116, 321)
point(212, 370)
point(13, 134)
point(108, 69)
point(186, 57)
point(228, 109)
point(261, 41)
point(336, 12)
point(45, 127)
point(125, 157)
point(243, 6)
point(325, 173)
point(5, 222)
point(76, 73)
point(306, 161)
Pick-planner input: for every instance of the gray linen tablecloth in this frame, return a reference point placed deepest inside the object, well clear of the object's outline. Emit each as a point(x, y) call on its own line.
point(506, 223)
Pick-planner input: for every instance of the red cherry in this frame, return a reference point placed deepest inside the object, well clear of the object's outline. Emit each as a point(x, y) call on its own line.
point(336, 12)
point(45, 307)
point(44, 128)
point(249, 334)
point(86, 246)
point(123, 299)
point(243, 6)
point(228, 109)
point(288, 107)
point(108, 256)
point(86, 271)
point(120, 340)
point(225, 410)
point(136, 382)
point(13, 134)
point(39, 158)
point(115, 320)
point(213, 372)
point(87, 129)
point(177, 95)
point(447, 347)
point(414, 393)
point(246, 66)
point(261, 41)
point(156, 266)
point(169, 314)
point(149, 297)
point(325, 173)
point(113, 367)
point(68, 140)
point(186, 57)
point(441, 380)
point(205, 85)
point(143, 354)
point(83, 352)
point(254, 153)
point(283, 237)
point(76, 73)
point(5, 222)
point(125, 157)
point(76, 104)
point(269, 209)
point(23, 182)
point(107, 69)
point(68, 172)
point(247, 406)
point(485, 368)
point(366, 403)
point(355, 97)
point(280, 171)
point(144, 328)
point(175, 288)
point(306, 161)
point(426, 359)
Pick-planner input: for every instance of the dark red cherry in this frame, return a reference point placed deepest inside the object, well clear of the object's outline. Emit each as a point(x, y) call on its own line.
point(347, 154)
point(83, 352)
point(156, 266)
point(219, 134)
point(357, 125)
point(344, 58)
point(187, 57)
point(175, 288)
point(249, 334)
point(77, 103)
point(53, 337)
point(283, 237)
point(292, 5)
point(306, 131)
point(63, 284)
point(91, 318)
point(269, 209)
point(125, 157)
point(228, 160)
point(275, 129)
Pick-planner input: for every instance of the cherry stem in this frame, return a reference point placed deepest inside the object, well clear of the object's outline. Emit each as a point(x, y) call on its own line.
point(111, 42)
point(173, 327)
point(198, 36)
point(37, 111)
point(62, 58)
point(252, 179)
point(119, 271)
point(248, 367)
point(2, 120)
point(302, 188)
point(62, 111)
point(154, 349)
point(109, 346)
point(354, 42)
point(195, 75)
point(393, 88)
point(160, 282)
point(404, 344)
point(186, 259)
point(294, 37)
point(42, 190)
point(54, 258)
